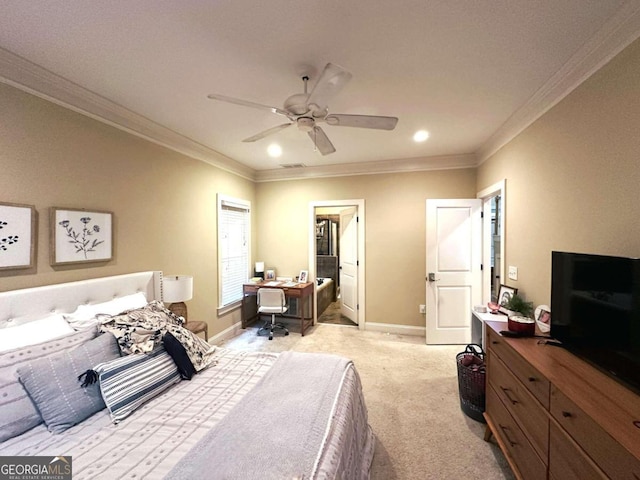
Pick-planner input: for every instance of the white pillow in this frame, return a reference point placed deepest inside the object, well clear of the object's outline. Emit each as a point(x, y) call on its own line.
point(30, 333)
point(85, 315)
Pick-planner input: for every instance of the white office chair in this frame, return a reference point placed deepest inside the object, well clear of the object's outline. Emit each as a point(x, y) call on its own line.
point(272, 300)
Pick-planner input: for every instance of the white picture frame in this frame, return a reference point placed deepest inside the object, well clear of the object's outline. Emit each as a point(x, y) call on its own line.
point(303, 277)
point(17, 236)
point(80, 236)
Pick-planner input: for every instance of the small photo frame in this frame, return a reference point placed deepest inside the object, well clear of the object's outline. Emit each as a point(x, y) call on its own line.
point(17, 236)
point(504, 295)
point(302, 278)
point(80, 236)
point(270, 274)
point(543, 318)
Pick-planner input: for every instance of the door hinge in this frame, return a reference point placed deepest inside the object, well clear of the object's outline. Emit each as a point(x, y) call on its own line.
point(357, 219)
point(481, 214)
point(358, 306)
point(357, 263)
point(481, 266)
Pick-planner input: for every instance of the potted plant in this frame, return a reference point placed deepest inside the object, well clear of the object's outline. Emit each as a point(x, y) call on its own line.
point(520, 315)
point(517, 305)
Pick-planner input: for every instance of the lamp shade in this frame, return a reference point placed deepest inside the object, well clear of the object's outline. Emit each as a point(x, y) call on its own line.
point(177, 288)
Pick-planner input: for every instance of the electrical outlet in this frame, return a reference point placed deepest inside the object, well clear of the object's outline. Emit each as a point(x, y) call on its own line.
point(423, 309)
point(513, 273)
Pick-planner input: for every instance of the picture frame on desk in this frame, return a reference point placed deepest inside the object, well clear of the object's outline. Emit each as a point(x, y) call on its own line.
point(302, 278)
point(270, 274)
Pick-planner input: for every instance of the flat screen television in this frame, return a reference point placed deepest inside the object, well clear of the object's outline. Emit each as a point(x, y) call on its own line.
point(595, 311)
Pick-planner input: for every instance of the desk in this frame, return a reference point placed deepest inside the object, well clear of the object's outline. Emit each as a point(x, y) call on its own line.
point(479, 327)
point(302, 291)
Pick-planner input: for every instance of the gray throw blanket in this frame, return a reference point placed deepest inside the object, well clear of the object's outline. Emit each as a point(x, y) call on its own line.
point(277, 430)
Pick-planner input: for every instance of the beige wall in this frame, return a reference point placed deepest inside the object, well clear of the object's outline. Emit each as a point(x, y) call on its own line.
point(572, 184)
point(395, 231)
point(164, 203)
point(573, 177)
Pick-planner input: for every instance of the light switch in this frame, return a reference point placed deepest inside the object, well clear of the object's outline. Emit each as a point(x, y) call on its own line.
point(513, 272)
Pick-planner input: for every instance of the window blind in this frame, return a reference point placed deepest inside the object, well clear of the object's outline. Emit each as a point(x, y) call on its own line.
point(234, 233)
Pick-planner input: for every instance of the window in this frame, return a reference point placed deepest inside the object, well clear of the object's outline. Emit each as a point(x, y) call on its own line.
point(234, 235)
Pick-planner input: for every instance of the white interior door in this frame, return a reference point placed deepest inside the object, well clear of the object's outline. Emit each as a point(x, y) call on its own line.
point(349, 263)
point(454, 277)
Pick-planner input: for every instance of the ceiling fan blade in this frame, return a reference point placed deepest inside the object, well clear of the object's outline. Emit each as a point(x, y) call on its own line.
point(270, 131)
point(362, 121)
point(321, 141)
point(246, 103)
point(332, 79)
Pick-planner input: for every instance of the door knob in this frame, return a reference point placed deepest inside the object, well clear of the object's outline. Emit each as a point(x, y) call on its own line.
point(432, 277)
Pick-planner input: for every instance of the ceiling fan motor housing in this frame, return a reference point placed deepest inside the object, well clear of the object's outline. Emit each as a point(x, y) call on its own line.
point(305, 124)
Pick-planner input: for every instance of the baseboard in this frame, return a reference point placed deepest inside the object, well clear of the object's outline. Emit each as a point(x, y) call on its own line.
point(233, 331)
point(396, 329)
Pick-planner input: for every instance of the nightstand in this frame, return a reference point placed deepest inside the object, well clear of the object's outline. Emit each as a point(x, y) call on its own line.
point(197, 327)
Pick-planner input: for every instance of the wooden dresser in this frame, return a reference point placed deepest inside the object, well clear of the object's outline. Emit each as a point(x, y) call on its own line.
point(557, 417)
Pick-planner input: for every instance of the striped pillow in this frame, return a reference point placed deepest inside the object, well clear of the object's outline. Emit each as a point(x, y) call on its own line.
point(128, 382)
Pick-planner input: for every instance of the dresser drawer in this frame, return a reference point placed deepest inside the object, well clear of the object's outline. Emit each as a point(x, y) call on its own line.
point(606, 452)
point(567, 461)
point(522, 405)
point(531, 378)
point(523, 456)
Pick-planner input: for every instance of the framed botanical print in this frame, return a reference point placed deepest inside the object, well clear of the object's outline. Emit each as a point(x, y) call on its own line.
point(17, 236)
point(80, 236)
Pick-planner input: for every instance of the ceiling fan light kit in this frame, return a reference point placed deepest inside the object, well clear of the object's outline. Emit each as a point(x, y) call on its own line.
point(306, 110)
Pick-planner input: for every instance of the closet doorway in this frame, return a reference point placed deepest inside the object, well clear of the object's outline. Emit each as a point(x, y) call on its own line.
point(336, 261)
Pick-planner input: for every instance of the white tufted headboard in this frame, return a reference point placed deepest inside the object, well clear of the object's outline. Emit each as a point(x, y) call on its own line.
point(22, 306)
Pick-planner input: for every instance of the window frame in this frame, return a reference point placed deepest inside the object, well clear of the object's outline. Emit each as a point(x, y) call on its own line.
point(239, 204)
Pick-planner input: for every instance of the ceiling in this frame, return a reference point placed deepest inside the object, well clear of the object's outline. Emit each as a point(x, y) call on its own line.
point(472, 73)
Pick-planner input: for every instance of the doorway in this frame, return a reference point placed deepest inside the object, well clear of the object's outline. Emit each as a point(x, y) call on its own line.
point(336, 261)
point(493, 240)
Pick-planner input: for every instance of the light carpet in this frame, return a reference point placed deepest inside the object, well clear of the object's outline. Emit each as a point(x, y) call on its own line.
point(411, 391)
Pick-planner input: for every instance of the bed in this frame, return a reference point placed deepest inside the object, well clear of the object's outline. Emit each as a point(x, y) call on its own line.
point(246, 415)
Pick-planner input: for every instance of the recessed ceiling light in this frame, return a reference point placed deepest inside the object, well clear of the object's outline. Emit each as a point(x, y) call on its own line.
point(274, 150)
point(420, 136)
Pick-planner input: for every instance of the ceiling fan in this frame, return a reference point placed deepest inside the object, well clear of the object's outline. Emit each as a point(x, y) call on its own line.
point(306, 110)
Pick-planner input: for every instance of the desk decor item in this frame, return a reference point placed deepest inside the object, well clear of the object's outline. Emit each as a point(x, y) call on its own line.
point(17, 236)
point(270, 274)
point(302, 278)
point(177, 289)
point(259, 270)
point(80, 236)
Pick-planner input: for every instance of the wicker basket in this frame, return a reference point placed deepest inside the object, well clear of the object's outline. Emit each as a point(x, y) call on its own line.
point(471, 381)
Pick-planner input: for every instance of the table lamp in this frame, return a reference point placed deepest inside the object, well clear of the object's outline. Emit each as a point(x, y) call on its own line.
point(177, 289)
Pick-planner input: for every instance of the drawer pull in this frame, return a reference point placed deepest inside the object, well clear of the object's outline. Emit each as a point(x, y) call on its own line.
point(637, 423)
point(505, 431)
point(566, 414)
point(506, 394)
point(532, 379)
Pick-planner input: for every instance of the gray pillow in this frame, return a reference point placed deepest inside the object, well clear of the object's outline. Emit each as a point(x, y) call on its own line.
point(17, 412)
point(53, 385)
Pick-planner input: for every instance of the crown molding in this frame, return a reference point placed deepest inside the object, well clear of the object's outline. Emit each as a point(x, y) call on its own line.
point(419, 164)
point(616, 34)
point(29, 77)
